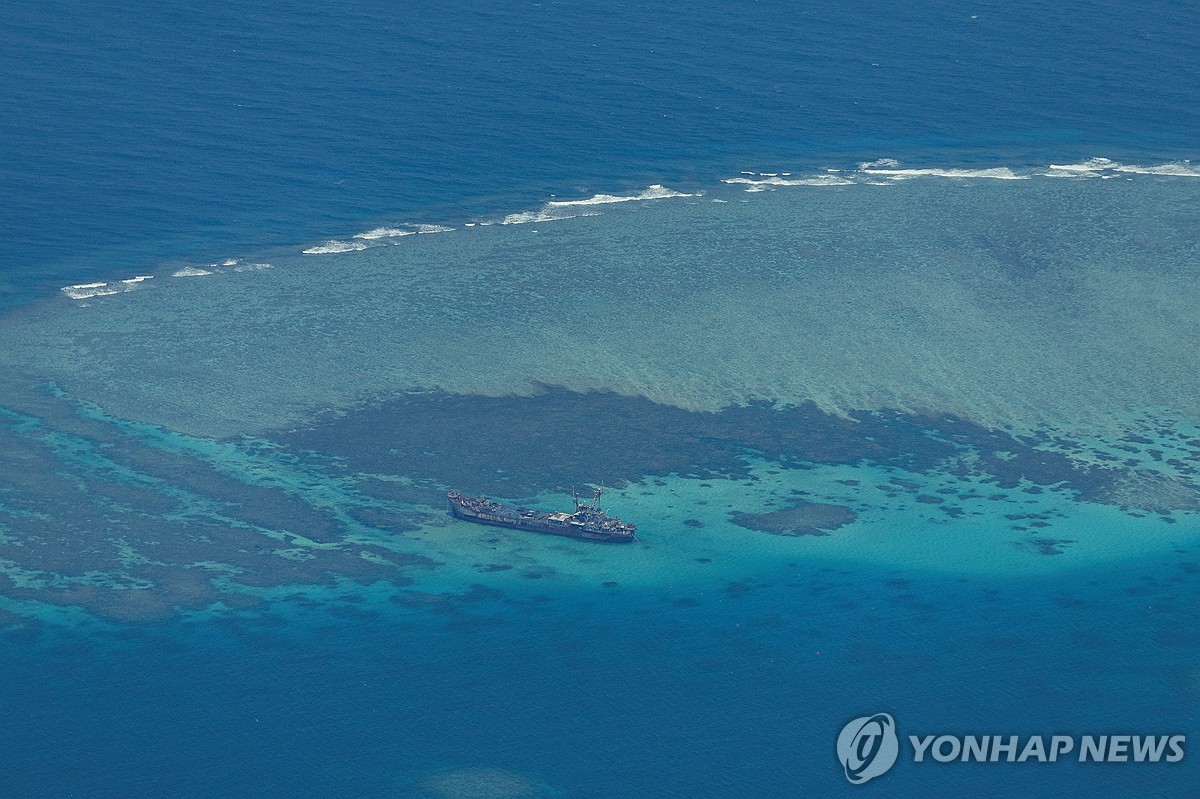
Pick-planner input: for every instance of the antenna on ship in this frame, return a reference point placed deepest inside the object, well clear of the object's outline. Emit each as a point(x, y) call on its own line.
point(575, 496)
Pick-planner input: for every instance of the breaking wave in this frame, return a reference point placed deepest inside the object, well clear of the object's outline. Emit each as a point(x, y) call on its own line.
point(896, 173)
point(543, 215)
point(1105, 167)
point(655, 192)
point(879, 172)
point(557, 210)
point(778, 180)
point(86, 291)
point(334, 246)
point(887, 171)
point(384, 233)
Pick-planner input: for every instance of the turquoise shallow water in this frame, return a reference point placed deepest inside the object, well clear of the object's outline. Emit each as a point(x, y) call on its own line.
point(1009, 302)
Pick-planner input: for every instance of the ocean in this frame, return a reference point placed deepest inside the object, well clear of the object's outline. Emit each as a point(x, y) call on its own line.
point(878, 320)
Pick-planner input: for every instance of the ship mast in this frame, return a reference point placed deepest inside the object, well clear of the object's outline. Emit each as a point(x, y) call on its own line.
point(596, 499)
point(575, 496)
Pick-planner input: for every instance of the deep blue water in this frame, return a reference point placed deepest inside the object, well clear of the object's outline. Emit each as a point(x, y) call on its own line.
point(134, 134)
point(617, 695)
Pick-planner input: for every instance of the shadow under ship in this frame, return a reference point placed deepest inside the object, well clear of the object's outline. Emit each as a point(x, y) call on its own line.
point(588, 522)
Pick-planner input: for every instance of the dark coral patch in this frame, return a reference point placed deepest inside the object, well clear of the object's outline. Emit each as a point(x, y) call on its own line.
point(1049, 546)
point(520, 446)
point(517, 447)
point(737, 589)
point(809, 518)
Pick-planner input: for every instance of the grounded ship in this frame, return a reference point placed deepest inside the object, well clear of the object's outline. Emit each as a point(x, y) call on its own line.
point(587, 522)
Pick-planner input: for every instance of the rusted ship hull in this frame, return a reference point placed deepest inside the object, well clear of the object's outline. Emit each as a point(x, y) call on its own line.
point(577, 525)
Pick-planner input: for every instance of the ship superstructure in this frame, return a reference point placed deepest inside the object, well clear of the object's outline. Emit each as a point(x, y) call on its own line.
point(588, 522)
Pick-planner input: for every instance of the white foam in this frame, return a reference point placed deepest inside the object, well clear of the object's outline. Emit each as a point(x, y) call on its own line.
point(774, 180)
point(190, 271)
point(1179, 169)
point(1090, 168)
point(883, 171)
point(655, 192)
point(1098, 167)
point(546, 214)
point(555, 210)
point(334, 246)
point(85, 291)
point(390, 233)
point(230, 262)
point(384, 233)
point(1090, 165)
point(251, 267)
point(994, 173)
